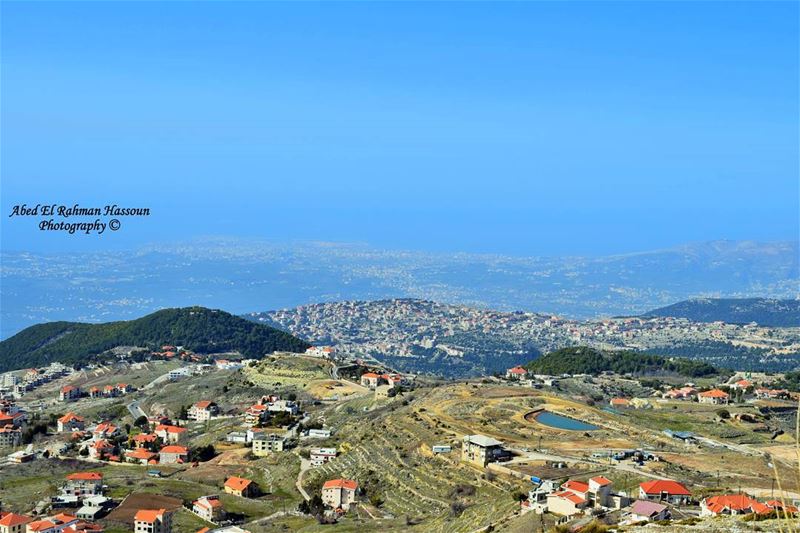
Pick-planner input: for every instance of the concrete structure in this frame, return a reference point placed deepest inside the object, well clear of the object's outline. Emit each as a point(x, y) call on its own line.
point(203, 411)
point(370, 379)
point(69, 393)
point(10, 436)
point(173, 454)
point(84, 484)
point(320, 456)
point(480, 449)
point(266, 444)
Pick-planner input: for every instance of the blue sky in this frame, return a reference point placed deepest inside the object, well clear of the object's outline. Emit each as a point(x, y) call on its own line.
point(519, 128)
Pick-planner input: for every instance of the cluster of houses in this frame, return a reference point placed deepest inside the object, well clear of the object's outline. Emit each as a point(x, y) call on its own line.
point(70, 393)
point(13, 386)
point(82, 491)
point(656, 500)
point(374, 381)
point(12, 420)
point(266, 407)
point(324, 352)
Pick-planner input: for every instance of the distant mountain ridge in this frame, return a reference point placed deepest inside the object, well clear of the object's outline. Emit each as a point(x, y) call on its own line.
point(770, 312)
point(196, 328)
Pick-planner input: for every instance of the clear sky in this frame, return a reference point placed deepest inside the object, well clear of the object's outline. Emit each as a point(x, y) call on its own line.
point(520, 128)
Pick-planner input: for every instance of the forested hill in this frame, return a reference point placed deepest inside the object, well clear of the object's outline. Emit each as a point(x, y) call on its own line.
point(196, 328)
point(585, 360)
point(763, 311)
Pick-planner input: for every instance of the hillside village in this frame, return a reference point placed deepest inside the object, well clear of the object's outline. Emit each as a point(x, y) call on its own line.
point(470, 341)
point(186, 442)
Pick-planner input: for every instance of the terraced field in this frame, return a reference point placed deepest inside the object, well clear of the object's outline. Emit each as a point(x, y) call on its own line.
point(390, 444)
point(288, 370)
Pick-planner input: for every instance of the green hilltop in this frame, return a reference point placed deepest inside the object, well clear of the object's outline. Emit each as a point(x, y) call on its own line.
point(585, 360)
point(195, 328)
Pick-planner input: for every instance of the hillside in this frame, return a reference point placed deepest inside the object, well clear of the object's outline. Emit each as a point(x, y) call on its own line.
point(585, 360)
point(196, 328)
point(763, 311)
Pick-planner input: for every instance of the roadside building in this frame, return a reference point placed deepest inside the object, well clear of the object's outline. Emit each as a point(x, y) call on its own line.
point(339, 493)
point(480, 449)
point(320, 456)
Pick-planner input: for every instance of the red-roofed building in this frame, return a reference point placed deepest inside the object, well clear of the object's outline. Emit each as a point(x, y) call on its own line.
point(209, 508)
point(241, 487)
point(171, 434)
point(664, 490)
point(339, 493)
point(173, 454)
point(516, 373)
point(370, 379)
point(141, 456)
point(71, 422)
point(152, 521)
point(728, 504)
point(714, 397)
point(69, 393)
point(145, 440)
point(203, 410)
point(100, 449)
point(106, 430)
point(13, 523)
point(84, 484)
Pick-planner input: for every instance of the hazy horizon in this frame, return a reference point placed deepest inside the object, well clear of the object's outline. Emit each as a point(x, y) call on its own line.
point(514, 128)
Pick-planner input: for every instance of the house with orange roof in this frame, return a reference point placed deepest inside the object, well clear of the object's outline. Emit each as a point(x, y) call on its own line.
point(95, 392)
point(742, 384)
point(152, 521)
point(83, 484)
point(239, 486)
point(517, 373)
point(100, 449)
point(730, 504)
point(106, 430)
point(173, 454)
point(71, 422)
point(255, 414)
point(203, 410)
point(54, 524)
point(208, 508)
point(171, 434)
point(620, 403)
point(566, 503)
point(713, 397)
point(141, 456)
point(145, 440)
point(370, 379)
point(339, 493)
point(13, 523)
point(664, 490)
point(69, 393)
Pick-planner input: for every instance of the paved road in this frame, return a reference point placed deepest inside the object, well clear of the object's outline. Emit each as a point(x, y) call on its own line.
point(305, 464)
